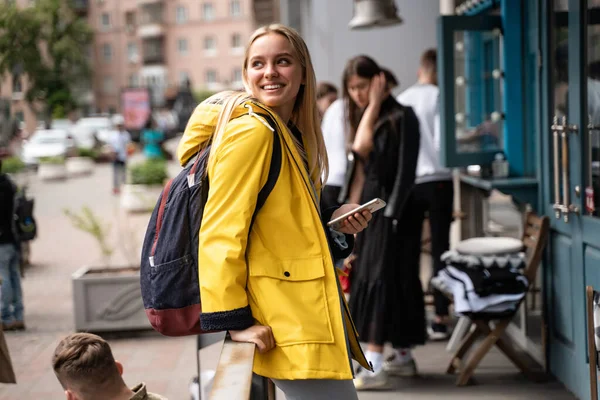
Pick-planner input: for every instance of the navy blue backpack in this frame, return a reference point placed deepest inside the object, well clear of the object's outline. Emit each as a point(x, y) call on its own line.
point(169, 264)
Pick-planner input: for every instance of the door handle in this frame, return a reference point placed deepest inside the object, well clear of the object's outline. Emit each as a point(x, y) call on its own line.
point(591, 130)
point(561, 171)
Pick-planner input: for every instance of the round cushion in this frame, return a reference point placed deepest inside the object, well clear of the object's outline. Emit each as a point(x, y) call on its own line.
point(489, 245)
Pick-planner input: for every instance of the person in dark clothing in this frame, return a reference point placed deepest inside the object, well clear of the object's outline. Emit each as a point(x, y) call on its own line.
point(12, 296)
point(386, 297)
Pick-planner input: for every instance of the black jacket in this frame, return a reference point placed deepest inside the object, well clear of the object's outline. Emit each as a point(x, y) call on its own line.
point(402, 123)
point(7, 205)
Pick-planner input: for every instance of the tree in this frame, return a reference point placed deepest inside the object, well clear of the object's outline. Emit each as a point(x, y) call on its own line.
point(48, 43)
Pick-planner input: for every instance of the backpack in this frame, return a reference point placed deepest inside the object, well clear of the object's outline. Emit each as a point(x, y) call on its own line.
point(169, 264)
point(25, 224)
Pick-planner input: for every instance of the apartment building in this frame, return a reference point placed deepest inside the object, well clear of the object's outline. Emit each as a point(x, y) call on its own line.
point(158, 44)
point(162, 44)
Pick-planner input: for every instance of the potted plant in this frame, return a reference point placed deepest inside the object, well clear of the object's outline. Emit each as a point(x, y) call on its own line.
point(52, 168)
point(12, 166)
point(82, 163)
point(145, 183)
point(105, 297)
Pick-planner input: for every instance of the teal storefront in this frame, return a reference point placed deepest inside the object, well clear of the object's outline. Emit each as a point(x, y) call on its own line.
point(521, 78)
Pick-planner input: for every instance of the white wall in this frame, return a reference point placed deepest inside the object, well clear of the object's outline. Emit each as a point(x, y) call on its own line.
point(324, 26)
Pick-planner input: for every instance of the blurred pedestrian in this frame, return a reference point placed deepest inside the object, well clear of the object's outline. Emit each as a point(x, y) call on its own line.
point(152, 138)
point(268, 278)
point(86, 369)
point(120, 143)
point(386, 298)
point(334, 129)
point(12, 294)
point(327, 93)
point(433, 194)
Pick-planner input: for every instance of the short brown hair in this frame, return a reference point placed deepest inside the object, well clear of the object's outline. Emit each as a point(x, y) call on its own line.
point(429, 60)
point(325, 88)
point(84, 362)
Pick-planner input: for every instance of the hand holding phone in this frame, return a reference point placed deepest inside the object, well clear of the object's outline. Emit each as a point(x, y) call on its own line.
point(371, 206)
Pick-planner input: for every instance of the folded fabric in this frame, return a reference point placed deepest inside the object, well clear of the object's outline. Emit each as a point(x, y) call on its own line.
point(511, 260)
point(466, 300)
point(489, 281)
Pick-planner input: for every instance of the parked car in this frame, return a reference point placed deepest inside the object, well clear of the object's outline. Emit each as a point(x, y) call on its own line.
point(46, 143)
point(101, 127)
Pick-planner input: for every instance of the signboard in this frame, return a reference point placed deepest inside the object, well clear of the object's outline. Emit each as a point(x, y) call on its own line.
point(136, 107)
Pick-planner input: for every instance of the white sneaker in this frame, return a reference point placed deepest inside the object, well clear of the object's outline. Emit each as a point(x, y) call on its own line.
point(367, 380)
point(395, 367)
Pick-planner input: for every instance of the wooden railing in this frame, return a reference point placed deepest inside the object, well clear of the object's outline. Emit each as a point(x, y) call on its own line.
point(234, 378)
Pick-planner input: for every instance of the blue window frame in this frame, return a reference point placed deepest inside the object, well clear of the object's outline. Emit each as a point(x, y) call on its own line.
point(470, 89)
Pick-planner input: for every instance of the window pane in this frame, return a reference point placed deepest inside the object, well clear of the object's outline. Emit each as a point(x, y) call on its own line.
point(181, 15)
point(182, 46)
point(235, 8)
point(236, 41)
point(107, 52)
point(208, 12)
point(211, 76)
point(478, 91)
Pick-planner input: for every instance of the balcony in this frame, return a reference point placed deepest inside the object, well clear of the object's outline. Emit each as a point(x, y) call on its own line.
point(153, 52)
point(152, 30)
point(152, 22)
point(143, 3)
point(81, 7)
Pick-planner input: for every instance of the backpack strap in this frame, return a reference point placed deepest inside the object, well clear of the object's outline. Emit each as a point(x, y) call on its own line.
point(274, 169)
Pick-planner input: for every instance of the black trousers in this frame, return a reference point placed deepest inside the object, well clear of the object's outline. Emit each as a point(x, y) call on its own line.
point(432, 199)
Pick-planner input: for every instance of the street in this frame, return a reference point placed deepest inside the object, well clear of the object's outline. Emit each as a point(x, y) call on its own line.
point(168, 364)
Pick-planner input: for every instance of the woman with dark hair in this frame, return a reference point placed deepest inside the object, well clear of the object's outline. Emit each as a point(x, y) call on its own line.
point(386, 297)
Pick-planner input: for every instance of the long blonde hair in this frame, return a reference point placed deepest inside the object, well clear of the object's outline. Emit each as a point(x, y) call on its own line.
point(305, 114)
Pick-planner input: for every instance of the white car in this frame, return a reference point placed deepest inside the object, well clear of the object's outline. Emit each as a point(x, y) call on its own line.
point(101, 127)
point(46, 143)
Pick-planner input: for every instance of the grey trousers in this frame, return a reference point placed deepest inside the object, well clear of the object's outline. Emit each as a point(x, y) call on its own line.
point(317, 389)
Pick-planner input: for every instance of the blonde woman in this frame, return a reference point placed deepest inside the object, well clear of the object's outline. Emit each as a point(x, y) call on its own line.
point(272, 281)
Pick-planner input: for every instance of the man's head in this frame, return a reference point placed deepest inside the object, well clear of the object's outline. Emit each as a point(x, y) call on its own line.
point(86, 368)
point(327, 93)
point(428, 67)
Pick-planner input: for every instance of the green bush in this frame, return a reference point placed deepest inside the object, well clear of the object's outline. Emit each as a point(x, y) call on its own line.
point(12, 165)
point(52, 160)
point(91, 153)
point(201, 95)
point(149, 172)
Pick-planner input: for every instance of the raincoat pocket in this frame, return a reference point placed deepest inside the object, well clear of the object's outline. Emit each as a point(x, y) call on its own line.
point(291, 298)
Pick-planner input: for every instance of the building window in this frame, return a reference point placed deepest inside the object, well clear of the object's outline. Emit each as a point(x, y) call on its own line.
point(236, 41)
point(107, 85)
point(235, 8)
point(210, 45)
point(20, 116)
point(208, 12)
point(107, 52)
point(132, 52)
point(211, 77)
point(236, 77)
point(181, 15)
point(184, 77)
point(17, 86)
point(105, 21)
point(130, 21)
point(182, 47)
point(134, 80)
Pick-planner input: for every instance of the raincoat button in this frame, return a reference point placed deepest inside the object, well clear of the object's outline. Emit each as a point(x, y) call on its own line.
point(287, 274)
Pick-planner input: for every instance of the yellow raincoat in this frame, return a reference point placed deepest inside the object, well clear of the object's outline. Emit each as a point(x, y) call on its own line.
point(281, 274)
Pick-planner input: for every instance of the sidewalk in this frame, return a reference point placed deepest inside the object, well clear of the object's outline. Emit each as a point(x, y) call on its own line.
point(168, 364)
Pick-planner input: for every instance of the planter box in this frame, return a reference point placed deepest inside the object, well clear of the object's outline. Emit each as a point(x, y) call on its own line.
point(140, 198)
point(48, 172)
point(108, 299)
point(77, 166)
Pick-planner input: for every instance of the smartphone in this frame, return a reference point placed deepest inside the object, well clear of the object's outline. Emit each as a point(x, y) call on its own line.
point(372, 206)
